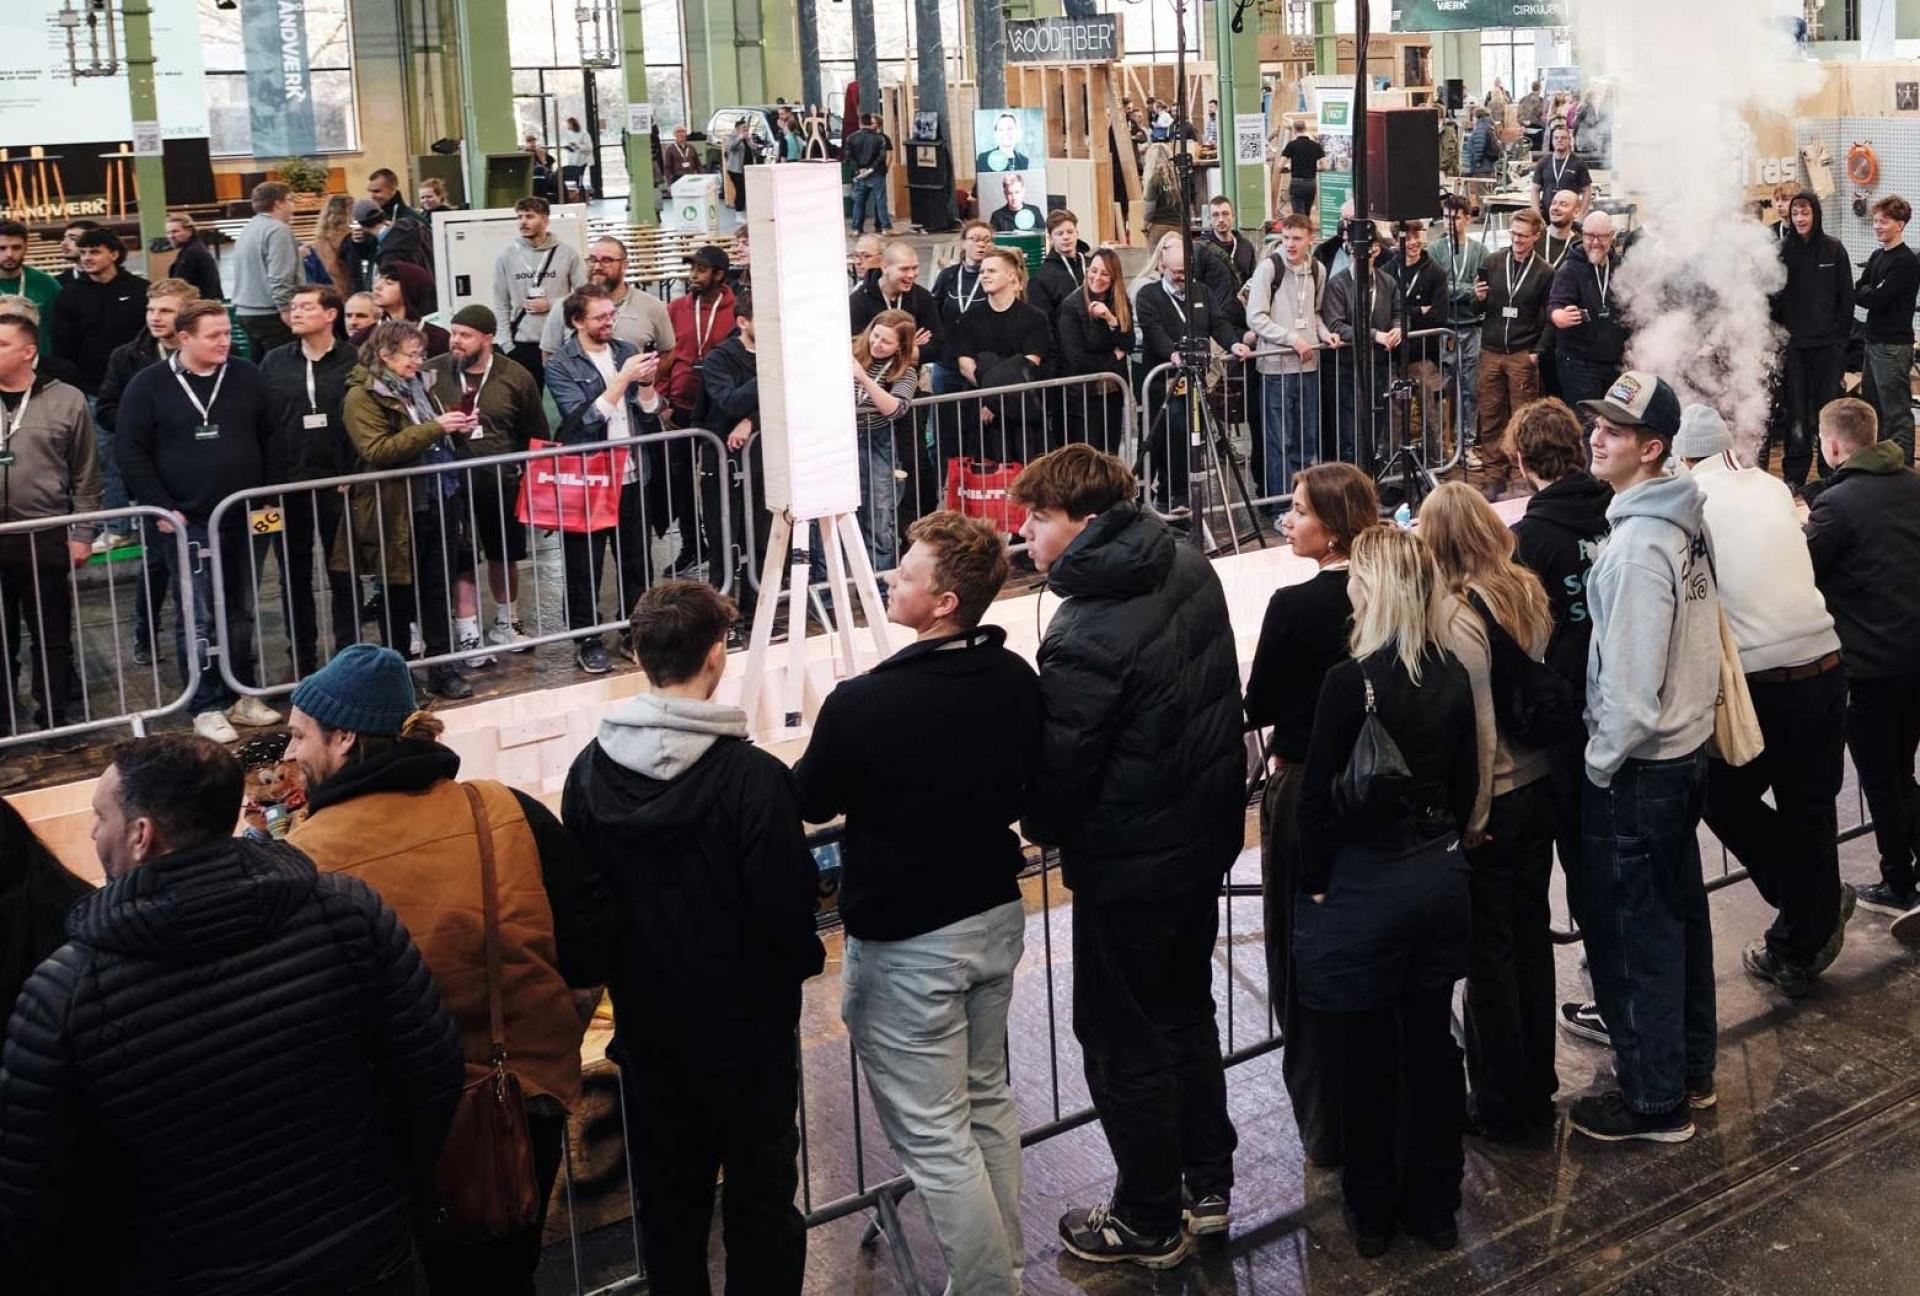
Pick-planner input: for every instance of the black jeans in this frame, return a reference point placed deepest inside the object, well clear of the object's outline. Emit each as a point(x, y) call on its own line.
point(1788, 847)
point(1809, 378)
point(689, 1122)
point(1649, 934)
point(1509, 1017)
point(585, 555)
point(1583, 380)
point(1308, 1063)
point(312, 520)
point(503, 1266)
point(529, 357)
point(264, 333)
point(1403, 1099)
point(238, 562)
point(442, 552)
point(1883, 731)
point(1143, 1012)
point(36, 604)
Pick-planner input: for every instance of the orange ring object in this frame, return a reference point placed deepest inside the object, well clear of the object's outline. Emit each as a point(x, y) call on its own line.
point(1863, 166)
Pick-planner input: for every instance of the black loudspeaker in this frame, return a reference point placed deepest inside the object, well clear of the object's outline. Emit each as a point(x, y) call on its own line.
point(1403, 164)
point(1456, 94)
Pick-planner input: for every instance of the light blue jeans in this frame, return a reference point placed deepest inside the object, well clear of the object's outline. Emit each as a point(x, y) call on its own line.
point(928, 1017)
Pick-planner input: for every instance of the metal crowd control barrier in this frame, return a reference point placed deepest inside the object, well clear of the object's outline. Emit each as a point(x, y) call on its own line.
point(1418, 398)
point(419, 536)
point(75, 631)
point(1002, 426)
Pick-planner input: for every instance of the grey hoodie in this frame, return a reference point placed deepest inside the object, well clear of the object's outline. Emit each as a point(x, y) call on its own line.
point(663, 737)
point(516, 268)
point(1653, 670)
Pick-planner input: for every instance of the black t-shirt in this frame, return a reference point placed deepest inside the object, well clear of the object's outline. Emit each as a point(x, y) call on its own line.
point(1021, 329)
point(1303, 154)
point(11, 400)
point(1553, 175)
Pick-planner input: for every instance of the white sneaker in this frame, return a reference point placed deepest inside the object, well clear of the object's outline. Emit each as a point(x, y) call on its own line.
point(213, 726)
point(510, 637)
point(471, 643)
point(253, 713)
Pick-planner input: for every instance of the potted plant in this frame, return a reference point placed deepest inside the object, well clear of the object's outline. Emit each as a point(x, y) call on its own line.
point(306, 177)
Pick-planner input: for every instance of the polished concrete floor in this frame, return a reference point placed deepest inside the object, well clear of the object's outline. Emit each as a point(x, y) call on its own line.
point(1802, 1180)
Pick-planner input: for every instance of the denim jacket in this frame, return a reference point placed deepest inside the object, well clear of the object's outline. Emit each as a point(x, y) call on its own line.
point(575, 384)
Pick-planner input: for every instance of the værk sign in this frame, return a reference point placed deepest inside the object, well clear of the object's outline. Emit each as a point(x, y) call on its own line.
point(1064, 40)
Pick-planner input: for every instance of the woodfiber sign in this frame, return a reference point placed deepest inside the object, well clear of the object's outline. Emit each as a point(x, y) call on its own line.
point(1064, 40)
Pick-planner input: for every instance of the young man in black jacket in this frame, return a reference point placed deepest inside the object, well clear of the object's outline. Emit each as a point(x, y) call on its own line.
point(934, 922)
point(190, 433)
point(1816, 309)
point(1062, 270)
point(1143, 789)
point(697, 833)
point(299, 1071)
point(896, 286)
point(98, 309)
point(1887, 289)
point(728, 404)
point(1863, 530)
point(1422, 284)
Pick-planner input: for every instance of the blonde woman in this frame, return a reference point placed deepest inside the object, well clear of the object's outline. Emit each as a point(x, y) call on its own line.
point(1384, 926)
point(885, 376)
point(1510, 982)
point(322, 256)
point(1160, 186)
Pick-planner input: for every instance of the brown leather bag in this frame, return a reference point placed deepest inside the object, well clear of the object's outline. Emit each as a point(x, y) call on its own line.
point(484, 1185)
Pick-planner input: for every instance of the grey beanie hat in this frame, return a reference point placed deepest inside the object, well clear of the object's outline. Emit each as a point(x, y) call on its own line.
point(1703, 433)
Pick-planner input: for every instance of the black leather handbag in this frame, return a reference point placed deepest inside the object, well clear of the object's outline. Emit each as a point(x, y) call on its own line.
point(1376, 777)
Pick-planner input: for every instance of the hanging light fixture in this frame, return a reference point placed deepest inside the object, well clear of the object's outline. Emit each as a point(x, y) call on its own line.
point(599, 30)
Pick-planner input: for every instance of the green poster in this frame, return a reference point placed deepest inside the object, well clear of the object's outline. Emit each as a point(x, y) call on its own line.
point(1474, 15)
point(1335, 188)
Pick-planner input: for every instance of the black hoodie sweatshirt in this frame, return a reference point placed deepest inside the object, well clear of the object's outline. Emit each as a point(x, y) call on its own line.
point(924, 852)
point(1816, 306)
point(1057, 279)
point(89, 319)
point(1886, 290)
point(1556, 539)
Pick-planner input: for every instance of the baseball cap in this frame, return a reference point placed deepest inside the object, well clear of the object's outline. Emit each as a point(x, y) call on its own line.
point(368, 212)
point(709, 256)
point(1638, 399)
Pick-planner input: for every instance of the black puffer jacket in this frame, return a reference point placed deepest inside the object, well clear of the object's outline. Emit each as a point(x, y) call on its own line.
point(242, 1064)
point(1143, 772)
point(1863, 530)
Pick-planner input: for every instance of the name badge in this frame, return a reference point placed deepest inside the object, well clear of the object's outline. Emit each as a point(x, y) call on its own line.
point(479, 430)
point(207, 432)
point(535, 293)
point(1510, 312)
point(1606, 312)
point(1300, 324)
point(313, 422)
point(6, 458)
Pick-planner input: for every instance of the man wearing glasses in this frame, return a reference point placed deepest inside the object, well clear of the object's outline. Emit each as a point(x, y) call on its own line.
point(1585, 309)
point(640, 316)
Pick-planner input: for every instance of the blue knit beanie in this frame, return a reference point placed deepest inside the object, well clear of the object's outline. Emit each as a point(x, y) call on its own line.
point(365, 689)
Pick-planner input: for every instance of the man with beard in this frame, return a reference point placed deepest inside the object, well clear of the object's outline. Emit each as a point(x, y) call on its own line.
point(17, 278)
point(1592, 337)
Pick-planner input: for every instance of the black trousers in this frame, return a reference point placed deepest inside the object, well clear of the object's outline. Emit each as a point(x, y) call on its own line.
point(1307, 1064)
point(312, 521)
point(585, 556)
point(528, 356)
point(1883, 731)
point(503, 1266)
point(1789, 846)
point(151, 601)
point(1143, 1012)
point(36, 602)
point(1510, 988)
point(442, 551)
point(688, 1123)
point(1567, 779)
point(1809, 378)
point(264, 333)
point(1405, 1096)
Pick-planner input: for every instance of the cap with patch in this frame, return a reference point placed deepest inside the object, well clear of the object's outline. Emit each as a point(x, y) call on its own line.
point(1638, 399)
point(709, 256)
point(368, 212)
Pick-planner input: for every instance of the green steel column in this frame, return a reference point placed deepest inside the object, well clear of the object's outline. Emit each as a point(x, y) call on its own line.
point(1237, 62)
point(780, 28)
point(633, 69)
point(485, 62)
point(713, 64)
point(149, 177)
point(1326, 38)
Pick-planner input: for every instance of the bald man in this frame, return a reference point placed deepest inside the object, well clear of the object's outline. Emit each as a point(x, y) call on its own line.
point(1563, 228)
point(1584, 306)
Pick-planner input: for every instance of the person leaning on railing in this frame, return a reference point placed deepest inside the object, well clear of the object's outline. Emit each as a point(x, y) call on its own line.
point(1095, 327)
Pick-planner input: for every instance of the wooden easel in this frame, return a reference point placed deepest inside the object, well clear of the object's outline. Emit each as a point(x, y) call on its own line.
point(845, 549)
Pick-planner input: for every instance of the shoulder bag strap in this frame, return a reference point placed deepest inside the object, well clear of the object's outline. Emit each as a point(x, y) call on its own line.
point(490, 899)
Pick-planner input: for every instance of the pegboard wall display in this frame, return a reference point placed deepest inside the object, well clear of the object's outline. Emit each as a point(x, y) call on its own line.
point(1896, 142)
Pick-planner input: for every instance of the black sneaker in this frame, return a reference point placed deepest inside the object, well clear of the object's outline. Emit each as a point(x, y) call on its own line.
point(1700, 1093)
point(592, 658)
point(1763, 965)
point(142, 653)
point(1095, 1233)
point(1883, 899)
point(1905, 929)
point(1370, 1244)
point(1608, 1118)
point(1584, 1020)
point(449, 683)
point(1831, 950)
point(1441, 1233)
point(1209, 1214)
point(627, 649)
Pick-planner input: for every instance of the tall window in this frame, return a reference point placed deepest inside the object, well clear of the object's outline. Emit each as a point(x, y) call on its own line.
point(896, 37)
point(336, 124)
point(1510, 53)
point(1148, 32)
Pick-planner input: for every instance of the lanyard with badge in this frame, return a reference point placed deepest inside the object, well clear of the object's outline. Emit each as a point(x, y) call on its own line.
point(1603, 276)
point(960, 290)
point(1510, 311)
point(470, 397)
point(314, 421)
point(1302, 294)
point(13, 428)
point(1069, 262)
point(1559, 170)
point(700, 335)
point(208, 430)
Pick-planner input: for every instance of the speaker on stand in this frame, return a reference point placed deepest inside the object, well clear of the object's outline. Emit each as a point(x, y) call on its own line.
point(1403, 184)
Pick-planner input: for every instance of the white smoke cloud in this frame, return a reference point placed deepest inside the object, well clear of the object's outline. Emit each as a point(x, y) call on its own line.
point(1695, 285)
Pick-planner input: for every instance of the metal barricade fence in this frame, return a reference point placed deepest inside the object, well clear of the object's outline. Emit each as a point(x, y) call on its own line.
point(400, 552)
point(989, 433)
point(90, 639)
point(1420, 396)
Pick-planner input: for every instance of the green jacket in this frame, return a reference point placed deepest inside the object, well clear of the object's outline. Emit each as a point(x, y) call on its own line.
point(378, 539)
point(40, 288)
point(508, 403)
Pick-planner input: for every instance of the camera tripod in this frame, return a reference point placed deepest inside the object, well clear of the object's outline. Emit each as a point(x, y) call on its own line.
point(1212, 461)
point(1405, 474)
